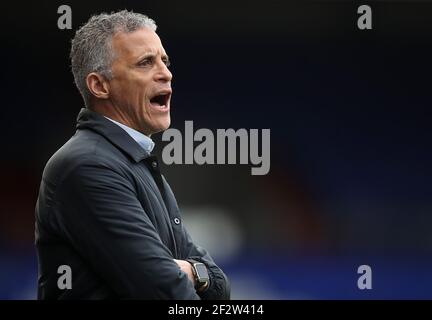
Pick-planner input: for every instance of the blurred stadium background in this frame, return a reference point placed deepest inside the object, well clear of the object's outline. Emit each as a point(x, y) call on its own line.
point(350, 177)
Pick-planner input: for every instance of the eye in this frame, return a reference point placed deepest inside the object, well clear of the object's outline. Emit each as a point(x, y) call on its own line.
point(146, 62)
point(166, 61)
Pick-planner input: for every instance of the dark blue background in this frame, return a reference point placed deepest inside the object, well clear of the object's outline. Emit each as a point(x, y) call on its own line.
point(350, 177)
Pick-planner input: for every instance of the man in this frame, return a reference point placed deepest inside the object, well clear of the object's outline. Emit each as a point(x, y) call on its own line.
point(104, 209)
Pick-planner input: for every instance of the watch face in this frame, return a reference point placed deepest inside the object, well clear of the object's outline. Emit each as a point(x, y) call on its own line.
point(201, 271)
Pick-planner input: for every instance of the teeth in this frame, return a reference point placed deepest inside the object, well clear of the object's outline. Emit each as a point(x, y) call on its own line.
point(160, 101)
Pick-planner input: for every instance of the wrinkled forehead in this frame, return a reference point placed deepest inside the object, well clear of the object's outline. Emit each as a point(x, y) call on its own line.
point(133, 45)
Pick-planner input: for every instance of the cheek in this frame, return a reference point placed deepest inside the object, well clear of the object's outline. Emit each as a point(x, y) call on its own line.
point(141, 91)
point(133, 92)
point(122, 91)
point(131, 87)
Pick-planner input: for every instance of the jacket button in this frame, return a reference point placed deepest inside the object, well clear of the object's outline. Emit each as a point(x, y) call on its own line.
point(154, 164)
point(176, 220)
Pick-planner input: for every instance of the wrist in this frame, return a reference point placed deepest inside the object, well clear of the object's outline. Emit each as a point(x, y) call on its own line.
point(200, 274)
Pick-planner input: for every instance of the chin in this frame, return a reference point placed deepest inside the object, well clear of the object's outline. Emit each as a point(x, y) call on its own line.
point(166, 124)
point(161, 125)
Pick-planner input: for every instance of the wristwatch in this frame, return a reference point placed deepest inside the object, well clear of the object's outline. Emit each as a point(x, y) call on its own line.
point(200, 273)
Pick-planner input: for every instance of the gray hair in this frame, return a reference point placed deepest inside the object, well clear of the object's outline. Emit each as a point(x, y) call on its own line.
point(91, 49)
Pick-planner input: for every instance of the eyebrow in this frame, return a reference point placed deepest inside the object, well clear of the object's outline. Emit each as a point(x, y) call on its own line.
point(151, 54)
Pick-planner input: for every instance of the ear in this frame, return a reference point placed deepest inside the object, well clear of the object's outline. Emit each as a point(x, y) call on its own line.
point(98, 85)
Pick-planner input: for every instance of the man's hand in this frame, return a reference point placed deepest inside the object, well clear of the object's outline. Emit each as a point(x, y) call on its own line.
point(186, 267)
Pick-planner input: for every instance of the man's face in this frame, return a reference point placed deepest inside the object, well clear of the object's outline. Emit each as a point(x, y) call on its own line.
point(140, 89)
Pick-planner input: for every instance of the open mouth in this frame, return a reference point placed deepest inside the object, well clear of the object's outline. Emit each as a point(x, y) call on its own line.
point(160, 100)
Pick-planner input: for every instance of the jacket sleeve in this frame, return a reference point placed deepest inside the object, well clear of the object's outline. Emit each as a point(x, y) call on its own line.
point(219, 288)
point(97, 210)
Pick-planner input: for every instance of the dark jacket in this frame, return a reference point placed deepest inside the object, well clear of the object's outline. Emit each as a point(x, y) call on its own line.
point(105, 210)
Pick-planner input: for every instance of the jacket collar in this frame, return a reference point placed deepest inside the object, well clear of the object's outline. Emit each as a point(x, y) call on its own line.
point(88, 119)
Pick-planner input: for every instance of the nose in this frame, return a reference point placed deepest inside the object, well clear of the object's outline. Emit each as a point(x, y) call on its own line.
point(163, 74)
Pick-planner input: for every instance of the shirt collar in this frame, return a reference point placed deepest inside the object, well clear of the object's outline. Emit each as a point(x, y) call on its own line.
point(145, 142)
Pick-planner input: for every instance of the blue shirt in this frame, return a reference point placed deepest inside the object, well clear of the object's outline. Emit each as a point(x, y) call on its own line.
point(145, 142)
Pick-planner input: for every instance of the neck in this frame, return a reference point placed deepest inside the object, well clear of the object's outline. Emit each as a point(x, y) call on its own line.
point(111, 111)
